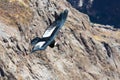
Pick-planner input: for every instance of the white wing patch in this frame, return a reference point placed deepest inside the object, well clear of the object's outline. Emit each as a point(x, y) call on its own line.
point(40, 44)
point(48, 32)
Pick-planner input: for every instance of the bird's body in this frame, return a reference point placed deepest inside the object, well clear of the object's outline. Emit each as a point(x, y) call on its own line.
point(50, 33)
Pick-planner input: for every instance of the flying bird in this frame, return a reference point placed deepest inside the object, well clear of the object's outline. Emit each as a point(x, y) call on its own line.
point(50, 33)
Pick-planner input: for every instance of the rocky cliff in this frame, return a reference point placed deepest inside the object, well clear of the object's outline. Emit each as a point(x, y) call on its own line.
point(85, 51)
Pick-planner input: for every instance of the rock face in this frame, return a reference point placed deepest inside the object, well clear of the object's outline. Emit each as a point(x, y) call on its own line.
point(85, 51)
point(100, 11)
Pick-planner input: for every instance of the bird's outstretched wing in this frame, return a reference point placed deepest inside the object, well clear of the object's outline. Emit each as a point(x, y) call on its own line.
point(57, 24)
point(50, 33)
point(38, 43)
point(35, 41)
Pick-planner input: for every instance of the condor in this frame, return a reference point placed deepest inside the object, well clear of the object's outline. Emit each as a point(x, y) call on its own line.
point(50, 33)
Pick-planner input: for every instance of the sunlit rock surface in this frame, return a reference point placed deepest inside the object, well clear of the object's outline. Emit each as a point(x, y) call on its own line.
point(85, 51)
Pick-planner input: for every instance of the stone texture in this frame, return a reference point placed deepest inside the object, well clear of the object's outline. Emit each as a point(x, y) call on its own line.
point(85, 51)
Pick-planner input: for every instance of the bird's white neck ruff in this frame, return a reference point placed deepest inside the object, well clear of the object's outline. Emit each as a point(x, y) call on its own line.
point(49, 32)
